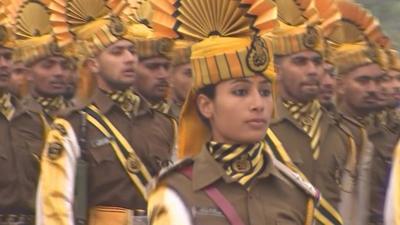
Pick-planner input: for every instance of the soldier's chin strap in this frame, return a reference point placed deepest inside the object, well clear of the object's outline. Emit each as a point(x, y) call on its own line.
point(325, 213)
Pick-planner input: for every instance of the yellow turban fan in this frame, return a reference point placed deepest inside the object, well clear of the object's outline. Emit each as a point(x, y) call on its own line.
point(6, 33)
point(33, 31)
point(359, 41)
point(298, 30)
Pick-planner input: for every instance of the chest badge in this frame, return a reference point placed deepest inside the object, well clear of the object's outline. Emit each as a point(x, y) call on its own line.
point(133, 164)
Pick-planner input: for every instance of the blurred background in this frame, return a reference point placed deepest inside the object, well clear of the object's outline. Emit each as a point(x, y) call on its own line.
point(388, 12)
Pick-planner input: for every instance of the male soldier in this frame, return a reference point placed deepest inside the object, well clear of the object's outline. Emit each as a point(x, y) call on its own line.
point(123, 141)
point(361, 67)
point(391, 94)
point(316, 145)
point(181, 77)
point(383, 132)
point(349, 43)
point(19, 80)
point(8, 106)
point(155, 64)
point(22, 127)
point(328, 87)
point(48, 70)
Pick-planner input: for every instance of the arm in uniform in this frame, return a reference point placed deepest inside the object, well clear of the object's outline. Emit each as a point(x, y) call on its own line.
point(392, 203)
point(56, 185)
point(160, 212)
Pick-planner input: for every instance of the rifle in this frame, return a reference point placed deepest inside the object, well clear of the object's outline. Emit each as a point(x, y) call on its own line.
point(81, 178)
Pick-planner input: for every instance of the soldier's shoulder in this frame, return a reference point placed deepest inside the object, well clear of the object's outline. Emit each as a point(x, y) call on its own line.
point(164, 116)
point(167, 175)
point(72, 110)
point(351, 121)
point(177, 167)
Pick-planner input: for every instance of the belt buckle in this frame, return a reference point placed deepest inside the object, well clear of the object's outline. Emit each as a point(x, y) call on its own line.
point(12, 219)
point(140, 217)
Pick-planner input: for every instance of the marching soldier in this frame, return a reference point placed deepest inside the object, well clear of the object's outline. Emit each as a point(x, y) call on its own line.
point(116, 143)
point(19, 86)
point(383, 133)
point(362, 65)
point(48, 70)
point(357, 95)
point(391, 84)
point(155, 63)
point(9, 206)
point(22, 127)
point(181, 77)
point(314, 143)
point(232, 176)
point(328, 87)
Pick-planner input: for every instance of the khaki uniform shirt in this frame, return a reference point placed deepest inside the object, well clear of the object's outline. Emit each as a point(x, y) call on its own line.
point(20, 149)
point(354, 206)
point(272, 199)
point(325, 172)
point(151, 135)
point(384, 143)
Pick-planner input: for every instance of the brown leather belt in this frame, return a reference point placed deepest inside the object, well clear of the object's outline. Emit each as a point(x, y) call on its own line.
point(16, 219)
point(105, 215)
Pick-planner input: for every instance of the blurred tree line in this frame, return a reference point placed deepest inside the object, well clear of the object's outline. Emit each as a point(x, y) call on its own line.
point(388, 12)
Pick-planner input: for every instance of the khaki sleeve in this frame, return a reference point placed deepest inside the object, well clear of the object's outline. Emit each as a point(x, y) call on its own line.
point(57, 180)
point(174, 149)
point(166, 207)
point(392, 203)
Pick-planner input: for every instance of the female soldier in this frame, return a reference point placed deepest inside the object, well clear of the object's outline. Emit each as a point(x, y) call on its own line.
point(231, 177)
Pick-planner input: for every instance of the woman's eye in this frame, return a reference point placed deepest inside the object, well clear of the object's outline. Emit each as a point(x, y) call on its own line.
point(265, 92)
point(240, 92)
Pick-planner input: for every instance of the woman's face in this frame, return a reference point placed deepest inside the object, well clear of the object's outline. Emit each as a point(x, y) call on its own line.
point(240, 111)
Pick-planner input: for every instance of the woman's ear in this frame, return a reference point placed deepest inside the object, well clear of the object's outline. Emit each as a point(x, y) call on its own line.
point(93, 65)
point(205, 106)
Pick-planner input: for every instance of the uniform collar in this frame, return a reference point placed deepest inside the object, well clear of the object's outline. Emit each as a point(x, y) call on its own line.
point(106, 104)
point(25, 105)
point(206, 170)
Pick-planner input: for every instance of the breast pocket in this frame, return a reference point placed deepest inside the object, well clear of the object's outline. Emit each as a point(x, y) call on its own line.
point(6, 167)
point(208, 215)
point(282, 221)
point(102, 155)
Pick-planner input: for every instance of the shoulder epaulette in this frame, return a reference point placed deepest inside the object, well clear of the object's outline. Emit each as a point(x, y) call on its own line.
point(174, 167)
point(164, 114)
point(352, 121)
point(78, 106)
point(165, 172)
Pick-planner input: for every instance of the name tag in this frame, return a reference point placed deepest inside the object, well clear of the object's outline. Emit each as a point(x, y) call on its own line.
point(206, 211)
point(101, 141)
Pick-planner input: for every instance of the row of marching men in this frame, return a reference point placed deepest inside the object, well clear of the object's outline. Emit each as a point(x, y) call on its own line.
point(287, 113)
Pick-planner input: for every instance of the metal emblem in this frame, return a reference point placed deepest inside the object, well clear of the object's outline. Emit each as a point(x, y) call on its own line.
point(116, 27)
point(242, 165)
point(164, 46)
point(55, 150)
point(307, 121)
point(310, 39)
point(54, 49)
point(372, 54)
point(133, 164)
point(257, 57)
